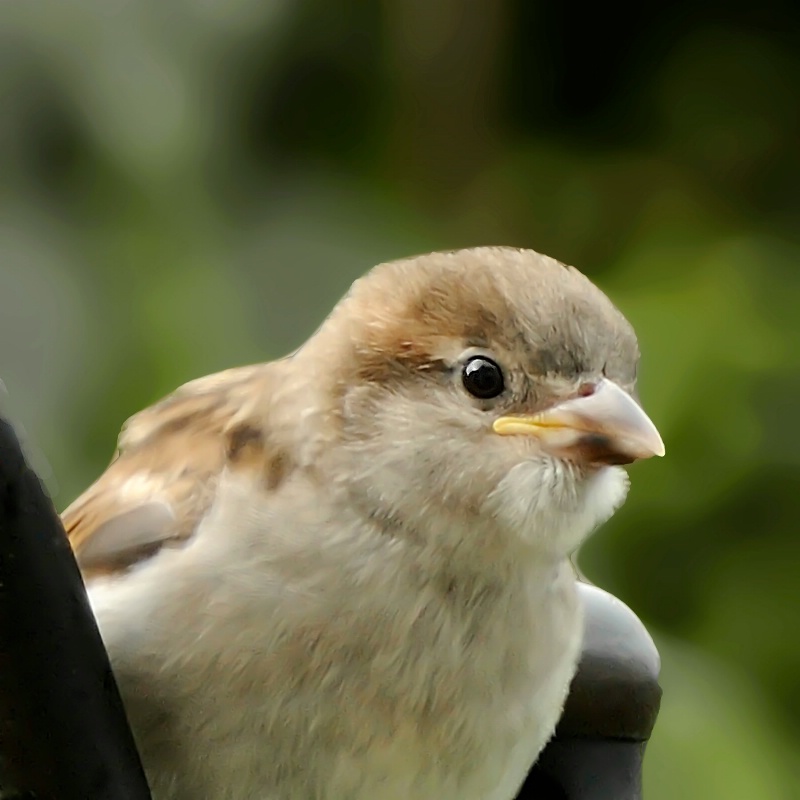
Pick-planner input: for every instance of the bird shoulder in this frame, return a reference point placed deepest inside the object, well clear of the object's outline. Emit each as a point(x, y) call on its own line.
point(164, 475)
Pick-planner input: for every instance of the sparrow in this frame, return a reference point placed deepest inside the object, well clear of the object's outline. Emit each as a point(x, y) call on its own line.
point(346, 574)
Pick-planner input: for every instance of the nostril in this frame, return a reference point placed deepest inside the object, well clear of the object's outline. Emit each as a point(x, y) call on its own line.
point(586, 389)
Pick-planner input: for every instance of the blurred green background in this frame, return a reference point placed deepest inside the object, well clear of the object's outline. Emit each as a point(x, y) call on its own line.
point(187, 185)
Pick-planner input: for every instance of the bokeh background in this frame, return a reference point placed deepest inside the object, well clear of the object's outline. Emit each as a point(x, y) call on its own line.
point(187, 185)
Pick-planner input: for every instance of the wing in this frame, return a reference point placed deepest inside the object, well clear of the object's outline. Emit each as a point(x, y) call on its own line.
point(164, 474)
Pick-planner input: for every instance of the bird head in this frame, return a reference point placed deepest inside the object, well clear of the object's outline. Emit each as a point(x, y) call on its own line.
point(487, 392)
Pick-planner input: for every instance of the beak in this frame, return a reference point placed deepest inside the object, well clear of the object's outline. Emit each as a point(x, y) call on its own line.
point(607, 427)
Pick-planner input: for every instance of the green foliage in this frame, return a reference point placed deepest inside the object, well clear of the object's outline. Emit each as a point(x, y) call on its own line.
point(190, 186)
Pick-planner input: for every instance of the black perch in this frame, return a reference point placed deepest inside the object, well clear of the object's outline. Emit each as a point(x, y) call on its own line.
point(63, 730)
point(598, 747)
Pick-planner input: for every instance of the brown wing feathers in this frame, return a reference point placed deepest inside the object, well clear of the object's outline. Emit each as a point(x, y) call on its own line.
point(162, 479)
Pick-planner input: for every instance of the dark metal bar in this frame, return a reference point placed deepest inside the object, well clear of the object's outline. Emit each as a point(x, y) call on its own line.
point(63, 730)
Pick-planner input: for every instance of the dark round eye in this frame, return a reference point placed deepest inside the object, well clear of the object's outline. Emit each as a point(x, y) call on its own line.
point(482, 378)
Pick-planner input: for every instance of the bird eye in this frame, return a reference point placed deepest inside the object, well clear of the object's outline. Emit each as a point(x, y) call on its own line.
point(482, 378)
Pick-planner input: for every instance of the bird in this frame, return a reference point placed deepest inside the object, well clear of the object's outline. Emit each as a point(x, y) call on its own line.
point(346, 574)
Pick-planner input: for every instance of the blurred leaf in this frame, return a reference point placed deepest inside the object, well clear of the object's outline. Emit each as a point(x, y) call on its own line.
point(715, 735)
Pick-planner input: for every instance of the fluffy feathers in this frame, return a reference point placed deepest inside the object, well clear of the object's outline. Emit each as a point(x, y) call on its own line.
point(328, 577)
